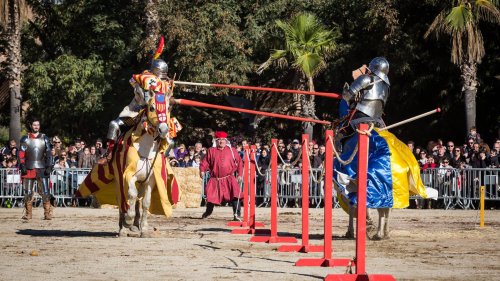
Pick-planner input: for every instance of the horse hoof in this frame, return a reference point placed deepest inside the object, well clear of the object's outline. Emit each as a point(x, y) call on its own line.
point(134, 228)
point(377, 237)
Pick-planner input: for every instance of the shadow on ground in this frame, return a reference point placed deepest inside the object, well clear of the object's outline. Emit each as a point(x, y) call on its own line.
point(64, 233)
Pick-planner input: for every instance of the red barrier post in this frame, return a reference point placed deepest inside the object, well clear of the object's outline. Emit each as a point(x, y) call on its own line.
point(251, 220)
point(327, 260)
point(360, 273)
point(304, 247)
point(274, 238)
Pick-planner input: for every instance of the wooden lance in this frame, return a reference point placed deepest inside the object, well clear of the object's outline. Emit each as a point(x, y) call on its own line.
point(411, 119)
point(255, 112)
point(264, 89)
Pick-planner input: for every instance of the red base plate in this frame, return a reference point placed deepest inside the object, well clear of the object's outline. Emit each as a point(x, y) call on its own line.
point(359, 277)
point(245, 224)
point(273, 239)
point(301, 248)
point(323, 262)
point(251, 231)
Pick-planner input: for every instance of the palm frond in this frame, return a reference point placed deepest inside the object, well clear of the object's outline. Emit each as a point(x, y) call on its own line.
point(437, 26)
point(458, 18)
point(488, 10)
point(309, 63)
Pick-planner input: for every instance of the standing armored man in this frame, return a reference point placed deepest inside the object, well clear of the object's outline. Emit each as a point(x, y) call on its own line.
point(222, 161)
point(154, 79)
point(35, 160)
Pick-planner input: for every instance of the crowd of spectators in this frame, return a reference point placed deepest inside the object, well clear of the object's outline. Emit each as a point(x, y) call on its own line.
point(474, 153)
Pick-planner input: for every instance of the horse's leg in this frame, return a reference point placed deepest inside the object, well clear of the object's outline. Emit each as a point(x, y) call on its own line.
point(132, 200)
point(382, 216)
point(387, 212)
point(146, 203)
point(121, 221)
point(350, 229)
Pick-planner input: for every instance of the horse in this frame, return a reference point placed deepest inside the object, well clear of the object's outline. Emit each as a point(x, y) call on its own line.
point(138, 173)
point(393, 175)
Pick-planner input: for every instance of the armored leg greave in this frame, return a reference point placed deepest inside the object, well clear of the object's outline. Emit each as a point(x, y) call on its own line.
point(28, 199)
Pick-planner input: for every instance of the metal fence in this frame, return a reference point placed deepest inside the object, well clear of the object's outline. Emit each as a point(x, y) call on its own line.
point(456, 188)
point(63, 185)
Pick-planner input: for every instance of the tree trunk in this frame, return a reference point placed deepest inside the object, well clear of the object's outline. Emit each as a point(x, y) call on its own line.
point(469, 80)
point(13, 69)
point(152, 26)
point(308, 109)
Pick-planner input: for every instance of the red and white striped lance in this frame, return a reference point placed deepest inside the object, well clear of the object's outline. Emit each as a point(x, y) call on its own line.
point(264, 89)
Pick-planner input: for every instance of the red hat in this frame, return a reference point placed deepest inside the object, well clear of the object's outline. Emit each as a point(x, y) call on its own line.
point(220, 135)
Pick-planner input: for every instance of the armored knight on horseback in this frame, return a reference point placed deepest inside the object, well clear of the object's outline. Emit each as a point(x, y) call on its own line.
point(153, 80)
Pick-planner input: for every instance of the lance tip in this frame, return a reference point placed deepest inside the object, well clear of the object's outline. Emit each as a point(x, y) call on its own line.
point(438, 109)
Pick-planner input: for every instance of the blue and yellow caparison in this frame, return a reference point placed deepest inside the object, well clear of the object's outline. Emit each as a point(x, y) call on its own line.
point(393, 171)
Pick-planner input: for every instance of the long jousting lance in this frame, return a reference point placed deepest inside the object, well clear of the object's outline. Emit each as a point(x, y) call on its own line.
point(411, 119)
point(264, 89)
point(255, 112)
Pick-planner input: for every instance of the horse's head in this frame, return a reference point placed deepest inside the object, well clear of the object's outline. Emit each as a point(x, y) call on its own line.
point(157, 113)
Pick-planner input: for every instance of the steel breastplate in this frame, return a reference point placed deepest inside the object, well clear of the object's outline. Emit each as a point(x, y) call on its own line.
point(35, 153)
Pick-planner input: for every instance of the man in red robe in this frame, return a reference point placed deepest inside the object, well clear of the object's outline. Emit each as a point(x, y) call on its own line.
point(222, 162)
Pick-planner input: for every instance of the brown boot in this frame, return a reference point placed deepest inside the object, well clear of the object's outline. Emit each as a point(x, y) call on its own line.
point(47, 210)
point(28, 210)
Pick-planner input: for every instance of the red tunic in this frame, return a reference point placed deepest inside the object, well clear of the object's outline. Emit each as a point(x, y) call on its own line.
point(222, 164)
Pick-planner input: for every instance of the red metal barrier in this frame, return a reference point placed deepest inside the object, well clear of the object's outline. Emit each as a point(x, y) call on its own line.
point(304, 247)
point(274, 238)
point(360, 273)
point(251, 220)
point(327, 260)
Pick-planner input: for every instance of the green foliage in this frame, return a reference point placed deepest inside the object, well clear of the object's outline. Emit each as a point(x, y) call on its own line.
point(224, 42)
point(65, 89)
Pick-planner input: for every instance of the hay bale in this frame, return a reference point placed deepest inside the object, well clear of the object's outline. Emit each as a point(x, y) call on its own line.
point(190, 185)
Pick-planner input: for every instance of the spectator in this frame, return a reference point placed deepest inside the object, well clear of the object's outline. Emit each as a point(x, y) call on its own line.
point(53, 156)
point(263, 162)
point(191, 153)
point(430, 164)
point(57, 144)
point(295, 148)
point(173, 162)
point(86, 161)
point(7, 149)
point(417, 151)
point(198, 150)
point(441, 154)
point(281, 150)
point(78, 147)
point(315, 159)
point(457, 158)
point(411, 146)
point(59, 167)
point(450, 146)
point(478, 157)
point(474, 135)
point(493, 161)
point(93, 155)
point(99, 149)
point(196, 162)
point(185, 162)
point(422, 158)
point(322, 151)
point(289, 160)
point(73, 161)
point(180, 152)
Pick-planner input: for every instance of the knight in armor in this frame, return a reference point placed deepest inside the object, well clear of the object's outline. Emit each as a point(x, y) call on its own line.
point(35, 165)
point(368, 93)
point(155, 79)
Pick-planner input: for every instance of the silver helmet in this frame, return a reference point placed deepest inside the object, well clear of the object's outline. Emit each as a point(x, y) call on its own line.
point(380, 67)
point(159, 68)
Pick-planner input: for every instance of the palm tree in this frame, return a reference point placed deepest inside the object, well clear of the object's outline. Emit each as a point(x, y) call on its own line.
point(12, 15)
point(461, 22)
point(308, 44)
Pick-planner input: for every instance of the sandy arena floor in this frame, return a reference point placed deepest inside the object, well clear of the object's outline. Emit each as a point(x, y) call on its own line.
point(81, 244)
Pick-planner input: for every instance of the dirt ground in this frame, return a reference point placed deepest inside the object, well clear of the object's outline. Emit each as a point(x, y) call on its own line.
point(81, 244)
